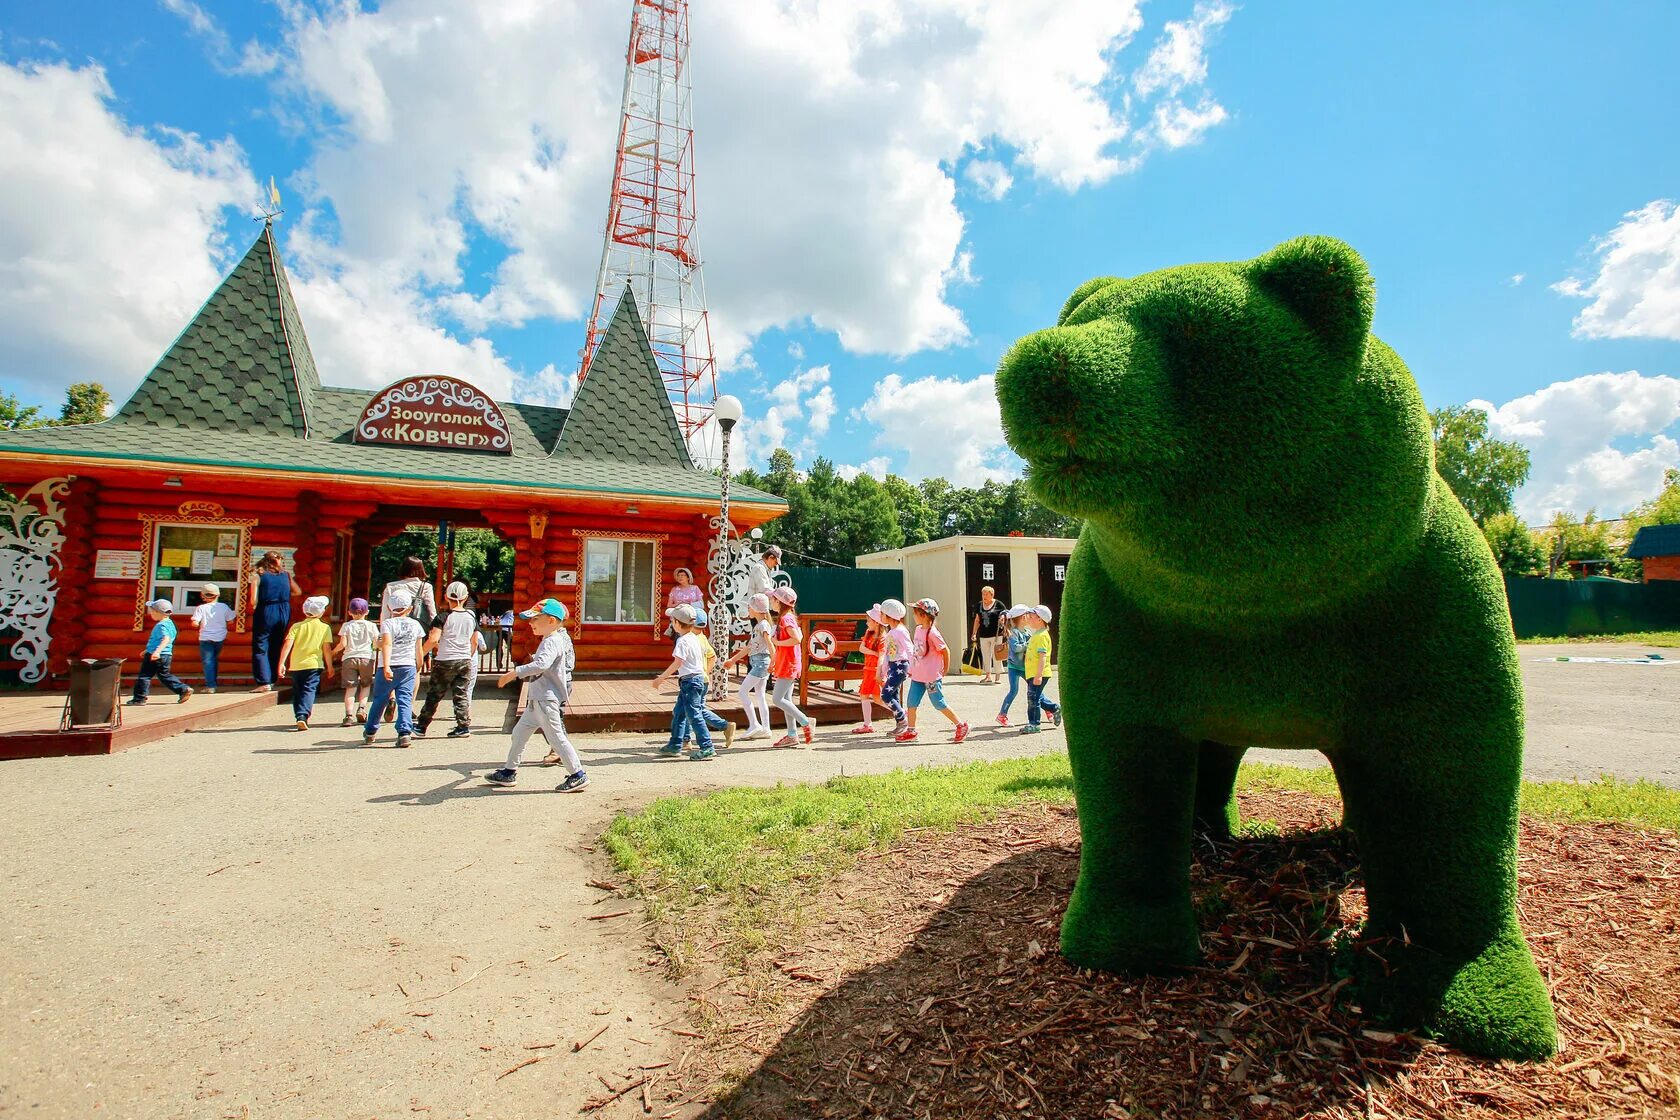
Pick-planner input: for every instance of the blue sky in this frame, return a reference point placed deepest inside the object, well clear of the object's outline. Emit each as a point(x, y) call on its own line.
point(864, 279)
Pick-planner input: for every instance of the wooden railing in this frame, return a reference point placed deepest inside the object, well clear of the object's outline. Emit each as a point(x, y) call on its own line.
point(834, 636)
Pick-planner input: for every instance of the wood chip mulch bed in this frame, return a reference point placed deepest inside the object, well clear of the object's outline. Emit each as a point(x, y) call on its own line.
point(931, 987)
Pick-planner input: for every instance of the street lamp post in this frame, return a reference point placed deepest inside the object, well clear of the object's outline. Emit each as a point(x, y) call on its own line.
point(727, 411)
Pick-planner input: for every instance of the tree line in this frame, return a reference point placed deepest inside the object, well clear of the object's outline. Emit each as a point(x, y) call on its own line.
point(85, 402)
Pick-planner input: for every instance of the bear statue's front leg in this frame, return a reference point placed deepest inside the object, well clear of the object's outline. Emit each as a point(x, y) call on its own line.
point(1430, 777)
point(1135, 786)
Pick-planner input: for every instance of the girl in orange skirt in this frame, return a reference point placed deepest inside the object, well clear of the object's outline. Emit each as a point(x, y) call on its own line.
point(870, 689)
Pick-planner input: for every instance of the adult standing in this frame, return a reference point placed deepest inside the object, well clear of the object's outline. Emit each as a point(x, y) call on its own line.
point(412, 581)
point(684, 593)
point(506, 652)
point(983, 631)
point(272, 589)
point(762, 579)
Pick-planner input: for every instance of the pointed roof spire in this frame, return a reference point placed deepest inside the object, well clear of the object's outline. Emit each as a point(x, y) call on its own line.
point(622, 411)
point(242, 363)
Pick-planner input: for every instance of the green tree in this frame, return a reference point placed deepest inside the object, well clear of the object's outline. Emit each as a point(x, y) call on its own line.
point(14, 416)
point(1664, 509)
point(1484, 473)
point(85, 402)
point(1514, 547)
point(917, 522)
point(1567, 539)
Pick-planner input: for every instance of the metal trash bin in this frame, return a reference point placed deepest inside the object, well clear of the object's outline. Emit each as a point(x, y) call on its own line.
point(95, 693)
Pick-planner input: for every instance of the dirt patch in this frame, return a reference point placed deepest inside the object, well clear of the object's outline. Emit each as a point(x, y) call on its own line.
point(931, 987)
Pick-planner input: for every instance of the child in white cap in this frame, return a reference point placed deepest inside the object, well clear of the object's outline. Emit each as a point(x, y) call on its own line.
point(399, 646)
point(894, 668)
point(786, 661)
point(688, 665)
point(160, 650)
point(306, 654)
point(549, 674)
point(756, 655)
point(452, 640)
point(1014, 637)
point(1038, 669)
point(211, 616)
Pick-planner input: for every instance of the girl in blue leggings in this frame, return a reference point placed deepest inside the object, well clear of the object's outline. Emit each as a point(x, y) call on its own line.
point(1017, 636)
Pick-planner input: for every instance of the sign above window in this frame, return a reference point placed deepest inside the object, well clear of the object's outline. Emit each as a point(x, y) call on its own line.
point(437, 412)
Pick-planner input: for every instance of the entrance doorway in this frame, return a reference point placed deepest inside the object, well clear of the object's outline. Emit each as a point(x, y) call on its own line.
point(1052, 574)
point(475, 555)
point(984, 569)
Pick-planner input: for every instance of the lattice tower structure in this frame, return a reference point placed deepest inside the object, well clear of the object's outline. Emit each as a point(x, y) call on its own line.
point(650, 241)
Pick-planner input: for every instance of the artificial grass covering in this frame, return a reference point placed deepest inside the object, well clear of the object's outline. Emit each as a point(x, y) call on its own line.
point(1270, 559)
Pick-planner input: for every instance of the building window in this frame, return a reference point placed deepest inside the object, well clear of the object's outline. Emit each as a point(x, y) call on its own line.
point(185, 557)
point(618, 580)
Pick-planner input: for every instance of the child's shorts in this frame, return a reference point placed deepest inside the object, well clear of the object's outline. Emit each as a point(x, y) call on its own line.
point(870, 687)
point(357, 672)
point(758, 665)
point(934, 690)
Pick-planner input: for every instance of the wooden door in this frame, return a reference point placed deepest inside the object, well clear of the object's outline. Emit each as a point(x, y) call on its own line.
point(1052, 574)
point(982, 569)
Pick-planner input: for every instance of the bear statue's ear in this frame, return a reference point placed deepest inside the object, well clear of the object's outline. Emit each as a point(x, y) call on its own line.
point(1080, 301)
point(1326, 284)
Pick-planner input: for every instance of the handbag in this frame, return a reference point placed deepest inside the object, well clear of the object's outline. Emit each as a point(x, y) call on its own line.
point(971, 661)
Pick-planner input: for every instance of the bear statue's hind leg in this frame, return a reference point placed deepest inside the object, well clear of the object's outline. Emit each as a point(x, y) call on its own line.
point(1433, 808)
point(1216, 789)
point(1130, 910)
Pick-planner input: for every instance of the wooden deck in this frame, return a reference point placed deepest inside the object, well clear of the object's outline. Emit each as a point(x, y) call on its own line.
point(633, 704)
point(29, 721)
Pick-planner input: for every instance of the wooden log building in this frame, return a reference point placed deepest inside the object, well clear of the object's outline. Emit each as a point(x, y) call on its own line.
point(232, 446)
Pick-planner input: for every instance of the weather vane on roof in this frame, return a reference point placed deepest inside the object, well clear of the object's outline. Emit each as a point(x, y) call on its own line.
point(272, 208)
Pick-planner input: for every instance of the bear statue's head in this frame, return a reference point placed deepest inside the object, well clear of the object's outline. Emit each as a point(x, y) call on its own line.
point(1239, 443)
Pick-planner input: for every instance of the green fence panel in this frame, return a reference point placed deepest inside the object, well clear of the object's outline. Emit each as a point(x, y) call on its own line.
point(844, 590)
point(1566, 608)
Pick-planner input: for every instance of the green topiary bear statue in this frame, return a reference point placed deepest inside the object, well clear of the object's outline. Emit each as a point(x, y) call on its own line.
point(1270, 560)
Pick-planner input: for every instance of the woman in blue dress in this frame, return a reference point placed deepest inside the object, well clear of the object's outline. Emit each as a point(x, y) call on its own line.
point(272, 589)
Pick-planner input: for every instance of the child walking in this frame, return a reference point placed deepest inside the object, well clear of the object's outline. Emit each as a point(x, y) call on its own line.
point(708, 658)
point(550, 673)
point(211, 616)
point(451, 638)
point(869, 689)
point(305, 656)
point(355, 649)
point(894, 668)
point(930, 661)
point(688, 665)
point(1038, 669)
point(786, 661)
point(1014, 636)
point(399, 645)
point(756, 656)
point(160, 650)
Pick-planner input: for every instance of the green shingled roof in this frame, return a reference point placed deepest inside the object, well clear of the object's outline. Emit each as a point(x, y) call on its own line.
point(622, 411)
point(243, 362)
point(243, 383)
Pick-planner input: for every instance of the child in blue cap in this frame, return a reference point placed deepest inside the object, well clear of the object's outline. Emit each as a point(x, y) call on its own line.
point(550, 675)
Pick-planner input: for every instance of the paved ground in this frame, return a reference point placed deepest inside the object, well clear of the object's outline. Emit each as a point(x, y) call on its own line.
point(250, 921)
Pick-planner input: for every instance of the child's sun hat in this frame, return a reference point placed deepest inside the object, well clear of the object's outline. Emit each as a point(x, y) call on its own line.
point(759, 602)
point(209, 591)
point(553, 608)
point(929, 607)
point(162, 606)
point(782, 593)
point(682, 613)
point(893, 609)
point(1042, 612)
point(874, 614)
point(358, 605)
point(1017, 611)
point(399, 601)
point(315, 606)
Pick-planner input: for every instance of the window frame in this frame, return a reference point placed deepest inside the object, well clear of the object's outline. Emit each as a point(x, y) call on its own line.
point(656, 610)
point(189, 515)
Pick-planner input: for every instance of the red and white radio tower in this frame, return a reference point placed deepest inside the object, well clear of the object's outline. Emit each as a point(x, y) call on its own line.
point(650, 243)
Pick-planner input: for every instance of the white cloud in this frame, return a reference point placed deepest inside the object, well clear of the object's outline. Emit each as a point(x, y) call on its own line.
point(798, 414)
point(1178, 125)
point(1518, 278)
point(254, 59)
point(991, 177)
point(826, 135)
point(942, 426)
point(1597, 442)
point(1179, 57)
point(111, 235)
point(875, 468)
point(1636, 293)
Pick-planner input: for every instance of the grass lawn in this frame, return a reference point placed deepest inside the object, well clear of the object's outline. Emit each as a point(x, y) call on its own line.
point(1663, 639)
point(765, 853)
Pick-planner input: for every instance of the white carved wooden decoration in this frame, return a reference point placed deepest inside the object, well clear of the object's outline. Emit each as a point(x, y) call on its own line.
point(31, 536)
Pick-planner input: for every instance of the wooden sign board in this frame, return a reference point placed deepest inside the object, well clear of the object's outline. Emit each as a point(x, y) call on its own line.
point(441, 413)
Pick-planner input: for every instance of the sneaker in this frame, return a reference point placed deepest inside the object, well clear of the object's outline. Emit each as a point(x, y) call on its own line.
point(1031, 729)
point(136, 703)
point(705, 754)
point(573, 783)
point(899, 729)
point(962, 732)
point(1003, 719)
point(459, 733)
point(908, 735)
point(728, 735)
point(786, 741)
point(367, 740)
point(347, 721)
point(1056, 717)
point(502, 777)
point(419, 731)
point(864, 729)
point(405, 740)
point(671, 752)
point(810, 730)
point(361, 716)
point(185, 696)
point(210, 691)
point(303, 725)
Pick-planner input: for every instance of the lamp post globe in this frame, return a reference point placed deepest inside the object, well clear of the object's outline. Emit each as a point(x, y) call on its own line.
point(727, 411)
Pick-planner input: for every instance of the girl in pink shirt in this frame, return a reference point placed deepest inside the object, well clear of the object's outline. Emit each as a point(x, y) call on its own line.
point(894, 664)
point(929, 660)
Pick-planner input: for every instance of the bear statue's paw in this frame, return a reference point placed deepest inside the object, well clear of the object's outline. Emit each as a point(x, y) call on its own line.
point(1119, 935)
point(1493, 1004)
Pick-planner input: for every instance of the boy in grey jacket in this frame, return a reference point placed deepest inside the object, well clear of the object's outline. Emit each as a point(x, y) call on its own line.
point(550, 675)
